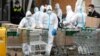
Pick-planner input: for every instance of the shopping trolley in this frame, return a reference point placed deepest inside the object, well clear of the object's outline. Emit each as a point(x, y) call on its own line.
point(13, 42)
point(64, 44)
point(87, 43)
point(37, 40)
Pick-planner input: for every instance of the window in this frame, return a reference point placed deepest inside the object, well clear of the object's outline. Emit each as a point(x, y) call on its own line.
point(4, 10)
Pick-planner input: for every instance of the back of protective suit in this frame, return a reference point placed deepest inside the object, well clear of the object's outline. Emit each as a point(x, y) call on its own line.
point(80, 17)
point(69, 17)
point(27, 21)
point(58, 12)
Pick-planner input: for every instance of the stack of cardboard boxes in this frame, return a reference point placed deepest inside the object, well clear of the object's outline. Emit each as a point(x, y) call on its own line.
point(92, 22)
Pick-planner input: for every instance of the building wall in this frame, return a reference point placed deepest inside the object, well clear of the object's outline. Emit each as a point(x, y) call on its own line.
point(97, 5)
point(41, 2)
point(87, 3)
point(63, 4)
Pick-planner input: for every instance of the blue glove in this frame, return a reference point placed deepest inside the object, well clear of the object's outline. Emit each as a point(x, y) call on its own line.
point(54, 32)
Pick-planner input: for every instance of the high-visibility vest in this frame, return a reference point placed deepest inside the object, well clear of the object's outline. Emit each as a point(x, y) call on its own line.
point(17, 9)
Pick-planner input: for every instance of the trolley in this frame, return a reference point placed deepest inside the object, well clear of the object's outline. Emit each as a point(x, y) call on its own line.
point(64, 44)
point(13, 42)
point(37, 39)
point(88, 43)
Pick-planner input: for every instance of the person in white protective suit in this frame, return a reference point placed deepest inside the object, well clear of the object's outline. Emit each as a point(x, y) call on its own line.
point(27, 22)
point(58, 12)
point(52, 25)
point(69, 17)
point(38, 16)
point(79, 18)
point(26, 49)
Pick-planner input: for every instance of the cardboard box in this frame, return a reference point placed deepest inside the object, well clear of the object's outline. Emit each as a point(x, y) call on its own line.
point(17, 38)
point(23, 35)
point(9, 25)
point(61, 39)
point(13, 39)
point(92, 22)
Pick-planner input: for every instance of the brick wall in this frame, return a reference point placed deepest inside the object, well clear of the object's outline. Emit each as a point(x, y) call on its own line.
point(63, 4)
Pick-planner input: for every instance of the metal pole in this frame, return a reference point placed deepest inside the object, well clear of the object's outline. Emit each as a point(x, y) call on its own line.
point(29, 5)
point(23, 5)
point(50, 2)
point(9, 8)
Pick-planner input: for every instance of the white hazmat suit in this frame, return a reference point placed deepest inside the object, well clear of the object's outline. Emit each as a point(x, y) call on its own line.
point(52, 24)
point(58, 12)
point(69, 17)
point(27, 22)
point(79, 18)
point(38, 16)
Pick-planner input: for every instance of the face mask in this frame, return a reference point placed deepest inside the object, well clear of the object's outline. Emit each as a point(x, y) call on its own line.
point(49, 12)
point(28, 17)
point(44, 10)
point(90, 10)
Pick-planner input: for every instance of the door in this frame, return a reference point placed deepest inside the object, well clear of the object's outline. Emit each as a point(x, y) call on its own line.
point(5, 10)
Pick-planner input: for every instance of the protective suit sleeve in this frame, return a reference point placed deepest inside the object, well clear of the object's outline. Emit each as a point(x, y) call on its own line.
point(33, 23)
point(74, 18)
point(41, 21)
point(56, 22)
point(21, 24)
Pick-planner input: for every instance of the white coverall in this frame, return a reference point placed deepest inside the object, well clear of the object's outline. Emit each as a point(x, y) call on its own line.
point(79, 18)
point(27, 22)
point(51, 22)
point(69, 17)
point(58, 12)
point(38, 16)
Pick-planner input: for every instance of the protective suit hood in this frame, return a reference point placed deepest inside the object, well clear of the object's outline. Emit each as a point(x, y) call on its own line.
point(36, 9)
point(49, 7)
point(28, 13)
point(69, 16)
point(57, 6)
point(42, 8)
point(69, 11)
